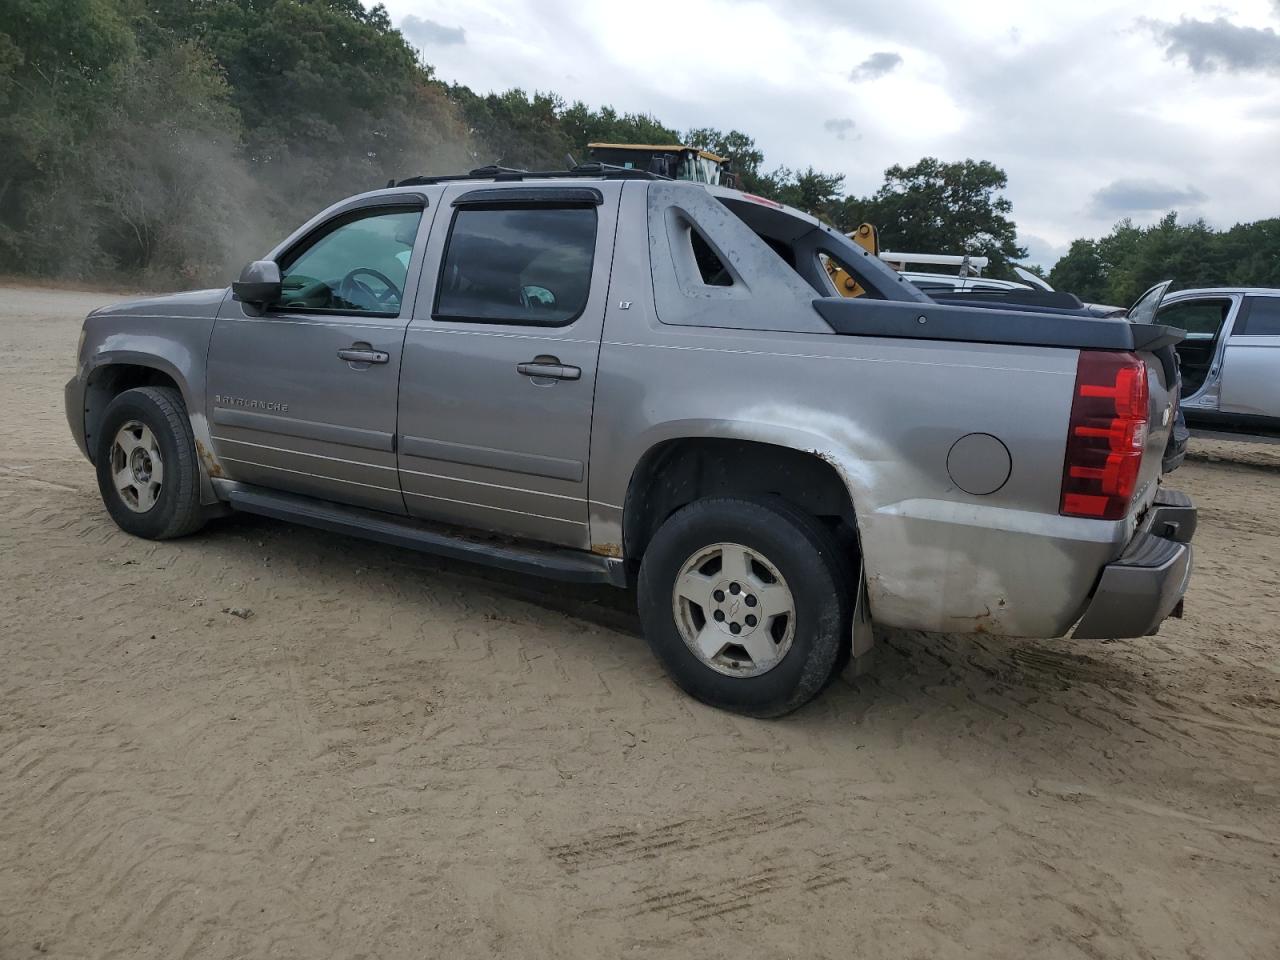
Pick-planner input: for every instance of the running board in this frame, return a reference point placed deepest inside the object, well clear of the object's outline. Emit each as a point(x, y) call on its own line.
point(554, 563)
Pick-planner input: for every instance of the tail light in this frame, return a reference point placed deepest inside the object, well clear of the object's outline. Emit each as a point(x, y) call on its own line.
point(1107, 435)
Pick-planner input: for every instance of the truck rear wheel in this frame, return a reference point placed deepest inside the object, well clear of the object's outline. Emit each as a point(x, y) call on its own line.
point(146, 464)
point(746, 603)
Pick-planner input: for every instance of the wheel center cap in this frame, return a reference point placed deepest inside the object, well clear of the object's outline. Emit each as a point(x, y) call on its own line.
point(140, 463)
point(734, 608)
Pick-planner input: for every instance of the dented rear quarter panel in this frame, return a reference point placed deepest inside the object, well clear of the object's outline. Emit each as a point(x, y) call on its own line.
point(885, 413)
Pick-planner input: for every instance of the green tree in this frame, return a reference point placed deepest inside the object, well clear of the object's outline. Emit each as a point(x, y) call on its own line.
point(809, 190)
point(1167, 250)
point(165, 137)
point(746, 158)
point(59, 66)
point(329, 92)
point(169, 139)
point(1249, 254)
point(934, 207)
point(1118, 267)
point(169, 194)
point(1081, 271)
point(582, 126)
point(513, 129)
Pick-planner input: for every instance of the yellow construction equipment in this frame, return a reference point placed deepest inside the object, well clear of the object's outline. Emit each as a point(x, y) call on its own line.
point(868, 239)
point(679, 161)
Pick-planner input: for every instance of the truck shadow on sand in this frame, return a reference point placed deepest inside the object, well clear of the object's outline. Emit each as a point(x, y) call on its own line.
point(969, 671)
point(1042, 707)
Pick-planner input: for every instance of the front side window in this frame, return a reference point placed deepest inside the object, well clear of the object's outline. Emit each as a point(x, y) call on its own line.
point(520, 265)
point(1262, 318)
point(1200, 318)
point(358, 266)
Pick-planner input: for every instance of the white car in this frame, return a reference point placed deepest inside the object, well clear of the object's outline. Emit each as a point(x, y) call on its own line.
point(933, 282)
point(967, 278)
point(1231, 355)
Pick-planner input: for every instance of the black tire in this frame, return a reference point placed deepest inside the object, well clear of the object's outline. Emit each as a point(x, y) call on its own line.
point(810, 560)
point(177, 511)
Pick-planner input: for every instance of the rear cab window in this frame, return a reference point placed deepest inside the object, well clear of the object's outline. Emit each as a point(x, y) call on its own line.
point(524, 264)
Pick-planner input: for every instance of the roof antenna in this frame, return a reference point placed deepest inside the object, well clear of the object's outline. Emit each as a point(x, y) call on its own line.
point(570, 163)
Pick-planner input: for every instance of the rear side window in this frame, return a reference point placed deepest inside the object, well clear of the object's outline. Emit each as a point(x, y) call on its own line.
point(710, 267)
point(520, 265)
point(1202, 319)
point(1261, 318)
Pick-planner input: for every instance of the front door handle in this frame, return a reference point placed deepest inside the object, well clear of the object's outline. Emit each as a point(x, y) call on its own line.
point(548, 368)
point(363, 354)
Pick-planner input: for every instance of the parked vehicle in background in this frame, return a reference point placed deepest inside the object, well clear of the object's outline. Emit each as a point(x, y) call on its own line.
point(953, 273)
point(1231, 353)
point(604, 376)
point(947, 283)
point(968, 279)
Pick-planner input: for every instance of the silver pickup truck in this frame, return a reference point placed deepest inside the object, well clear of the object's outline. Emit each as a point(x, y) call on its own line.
point(606, 376)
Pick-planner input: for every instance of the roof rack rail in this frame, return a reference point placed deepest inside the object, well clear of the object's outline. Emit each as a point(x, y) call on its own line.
point(606, 171)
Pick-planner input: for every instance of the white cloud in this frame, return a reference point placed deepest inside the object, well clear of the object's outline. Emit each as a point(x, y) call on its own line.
point(876, 65)
point(842, 127)
point(1040, 251)
point(1068, 99)
point(428, 33)
point(1125, 197)
point(1219, 44)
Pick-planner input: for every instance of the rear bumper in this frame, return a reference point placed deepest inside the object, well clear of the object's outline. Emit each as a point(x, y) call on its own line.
point(1138, 591)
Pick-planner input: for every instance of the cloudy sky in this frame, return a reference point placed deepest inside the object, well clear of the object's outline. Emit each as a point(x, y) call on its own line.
point(1096, 110)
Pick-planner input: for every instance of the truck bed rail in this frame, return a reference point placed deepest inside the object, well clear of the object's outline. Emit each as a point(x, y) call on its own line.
point(919, 321)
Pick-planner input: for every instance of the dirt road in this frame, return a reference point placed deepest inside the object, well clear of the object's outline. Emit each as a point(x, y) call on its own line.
point(392, 757)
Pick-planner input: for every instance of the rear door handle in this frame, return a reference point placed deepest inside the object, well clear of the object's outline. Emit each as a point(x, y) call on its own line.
point(363, 355)
point(548, 368)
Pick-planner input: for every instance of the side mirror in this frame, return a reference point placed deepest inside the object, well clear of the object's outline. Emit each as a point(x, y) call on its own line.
point(259, 283)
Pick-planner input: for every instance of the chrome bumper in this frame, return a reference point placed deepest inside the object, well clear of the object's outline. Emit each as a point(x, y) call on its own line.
point(1138, 591)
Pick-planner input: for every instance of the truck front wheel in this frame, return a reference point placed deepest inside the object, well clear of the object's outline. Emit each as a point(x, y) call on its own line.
point(747, 603)
point(146, 464)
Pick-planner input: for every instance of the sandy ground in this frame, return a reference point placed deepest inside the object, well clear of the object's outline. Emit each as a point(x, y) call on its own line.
point(1216, 447)
point(394, 757)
